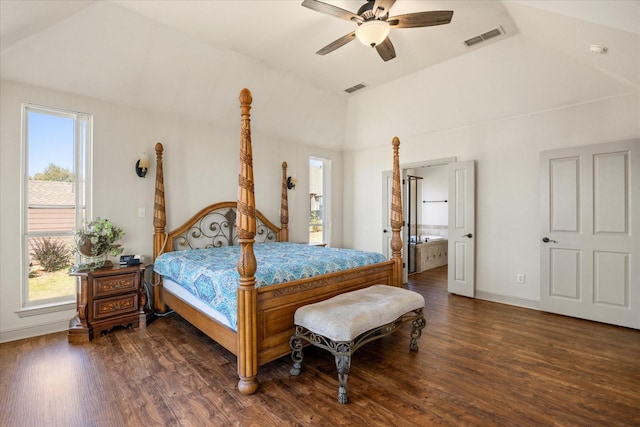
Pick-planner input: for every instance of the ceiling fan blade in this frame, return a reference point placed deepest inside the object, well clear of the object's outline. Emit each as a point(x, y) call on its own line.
point(336, 44)
point(381, 8)
point(421, 19)
point(386, 50)
point(332, 10)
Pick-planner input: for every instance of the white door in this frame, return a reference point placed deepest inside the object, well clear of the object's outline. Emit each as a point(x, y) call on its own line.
point(461, 270)
point(590, 232)
point(387, 180)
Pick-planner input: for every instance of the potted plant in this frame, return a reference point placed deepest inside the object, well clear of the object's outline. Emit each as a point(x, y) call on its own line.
point(95, 241)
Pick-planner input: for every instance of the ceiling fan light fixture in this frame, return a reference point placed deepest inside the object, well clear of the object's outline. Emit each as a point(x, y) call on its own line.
point(372, 33)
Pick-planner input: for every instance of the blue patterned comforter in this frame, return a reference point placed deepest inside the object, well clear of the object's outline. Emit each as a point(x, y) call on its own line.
point(212, 276)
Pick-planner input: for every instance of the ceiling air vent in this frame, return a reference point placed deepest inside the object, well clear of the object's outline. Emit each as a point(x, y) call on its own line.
point(355, 88)
point(484, 36)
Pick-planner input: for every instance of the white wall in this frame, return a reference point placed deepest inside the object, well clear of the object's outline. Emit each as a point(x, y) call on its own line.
point(200, 167)
point(435, 187)
point(491, 105)
point(507, 154)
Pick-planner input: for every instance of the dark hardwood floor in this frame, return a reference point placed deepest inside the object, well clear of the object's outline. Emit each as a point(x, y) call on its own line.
point(479, 363)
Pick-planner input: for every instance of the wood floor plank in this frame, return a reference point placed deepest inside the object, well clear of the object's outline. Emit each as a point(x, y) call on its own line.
point(479, 363)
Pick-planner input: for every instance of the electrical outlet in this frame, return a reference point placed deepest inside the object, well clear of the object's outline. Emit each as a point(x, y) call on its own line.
point(520, 278)
point(142, 212)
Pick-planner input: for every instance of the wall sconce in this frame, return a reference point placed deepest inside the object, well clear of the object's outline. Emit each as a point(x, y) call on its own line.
point(142, 165)
point(291, 182)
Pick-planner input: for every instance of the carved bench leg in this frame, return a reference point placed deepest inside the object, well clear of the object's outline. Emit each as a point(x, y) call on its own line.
point(296, 354)
point(416, 331)
point(343, 363)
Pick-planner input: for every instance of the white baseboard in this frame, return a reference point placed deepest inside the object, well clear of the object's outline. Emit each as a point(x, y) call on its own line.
point(504, 299)
point(33, 331)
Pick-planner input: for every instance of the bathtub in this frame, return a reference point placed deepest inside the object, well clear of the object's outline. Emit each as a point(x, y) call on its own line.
point(430, 253)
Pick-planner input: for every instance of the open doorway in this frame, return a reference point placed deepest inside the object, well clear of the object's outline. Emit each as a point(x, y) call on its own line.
point(453, 199)
point(427, 216)
point(459, 229)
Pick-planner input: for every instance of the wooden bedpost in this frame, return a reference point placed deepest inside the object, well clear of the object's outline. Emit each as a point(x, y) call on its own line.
point(284, 207)
point(396, 215)
point(159, 226)
point(246, 229)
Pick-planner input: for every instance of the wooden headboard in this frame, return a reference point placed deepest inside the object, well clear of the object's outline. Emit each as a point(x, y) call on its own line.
point(215, 226)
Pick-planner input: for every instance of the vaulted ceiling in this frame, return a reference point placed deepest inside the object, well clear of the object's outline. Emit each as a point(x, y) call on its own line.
point(192, 57)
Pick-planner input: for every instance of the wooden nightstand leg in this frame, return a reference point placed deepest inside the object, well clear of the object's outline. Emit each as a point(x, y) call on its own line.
point(142, 323)
point(142, 298)
point(79, 333)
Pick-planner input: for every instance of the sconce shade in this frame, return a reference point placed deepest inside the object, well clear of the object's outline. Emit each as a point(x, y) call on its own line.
point(372, 33)
point(142, 165)
point(144, 161)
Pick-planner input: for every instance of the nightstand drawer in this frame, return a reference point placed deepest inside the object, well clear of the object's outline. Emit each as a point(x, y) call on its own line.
point(110, 285)
point(114, 306)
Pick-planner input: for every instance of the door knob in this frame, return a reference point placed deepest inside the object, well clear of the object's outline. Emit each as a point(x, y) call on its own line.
point(469, 235)
point(547, 240)
point(385, 231)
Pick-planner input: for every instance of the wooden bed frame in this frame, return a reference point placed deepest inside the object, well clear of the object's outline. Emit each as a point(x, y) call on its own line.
point(265, 314)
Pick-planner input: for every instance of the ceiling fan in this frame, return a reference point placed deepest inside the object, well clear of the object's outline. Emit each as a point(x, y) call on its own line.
point(374, 24)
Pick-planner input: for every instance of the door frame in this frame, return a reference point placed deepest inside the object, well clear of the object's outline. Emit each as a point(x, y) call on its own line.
point(404, 167)
point(387, 175)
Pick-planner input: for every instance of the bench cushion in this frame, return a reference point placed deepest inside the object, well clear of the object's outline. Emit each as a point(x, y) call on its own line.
point(345, 316)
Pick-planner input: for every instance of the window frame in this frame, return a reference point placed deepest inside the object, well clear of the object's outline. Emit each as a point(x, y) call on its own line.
point(82, 169)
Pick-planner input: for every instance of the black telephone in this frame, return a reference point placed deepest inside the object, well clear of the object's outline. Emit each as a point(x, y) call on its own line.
point(129, 260)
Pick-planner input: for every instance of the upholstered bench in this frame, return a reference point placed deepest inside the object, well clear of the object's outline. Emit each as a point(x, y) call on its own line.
point(344, 323)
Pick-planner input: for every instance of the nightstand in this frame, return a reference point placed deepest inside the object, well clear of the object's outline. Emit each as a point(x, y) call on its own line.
point(107, 297)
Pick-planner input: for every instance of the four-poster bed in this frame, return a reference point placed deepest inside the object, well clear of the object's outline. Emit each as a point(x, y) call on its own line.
point(264, 316)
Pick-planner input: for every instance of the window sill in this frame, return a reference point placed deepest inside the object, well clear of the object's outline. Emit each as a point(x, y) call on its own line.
point(45, 309)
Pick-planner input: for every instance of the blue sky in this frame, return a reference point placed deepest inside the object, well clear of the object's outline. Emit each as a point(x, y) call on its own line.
point(50, 141)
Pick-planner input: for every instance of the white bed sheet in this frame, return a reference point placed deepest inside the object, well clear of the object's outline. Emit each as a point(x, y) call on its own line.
point(186, 296)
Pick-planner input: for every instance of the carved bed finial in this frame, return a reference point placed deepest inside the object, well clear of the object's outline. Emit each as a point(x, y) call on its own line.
point(245, 100)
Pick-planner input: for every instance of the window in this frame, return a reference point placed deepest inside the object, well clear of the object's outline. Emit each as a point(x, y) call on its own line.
point(55, 198)
point(319, 171)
